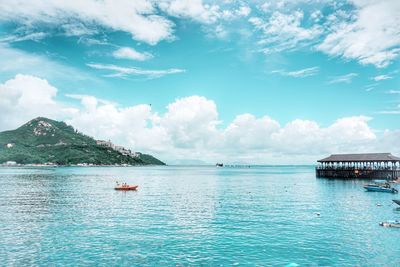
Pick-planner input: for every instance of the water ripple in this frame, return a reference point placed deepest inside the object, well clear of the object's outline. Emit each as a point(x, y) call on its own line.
point(189, 216)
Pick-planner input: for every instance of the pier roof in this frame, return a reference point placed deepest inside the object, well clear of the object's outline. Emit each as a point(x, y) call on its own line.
point(377, 157)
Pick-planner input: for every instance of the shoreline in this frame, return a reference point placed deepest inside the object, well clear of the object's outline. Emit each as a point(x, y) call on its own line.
point(70, 165)
point(150, 165)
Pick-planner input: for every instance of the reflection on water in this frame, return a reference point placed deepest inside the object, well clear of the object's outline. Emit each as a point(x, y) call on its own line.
point(192, 216)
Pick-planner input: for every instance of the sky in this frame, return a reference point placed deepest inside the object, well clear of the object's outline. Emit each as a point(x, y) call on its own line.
point(192, 82)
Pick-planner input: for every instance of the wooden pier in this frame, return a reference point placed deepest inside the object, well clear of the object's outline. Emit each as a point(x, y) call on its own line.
point(361, 166)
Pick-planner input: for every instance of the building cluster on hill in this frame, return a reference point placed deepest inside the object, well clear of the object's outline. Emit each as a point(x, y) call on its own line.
point(120, 149)
point(12, 163)
point(9, 145)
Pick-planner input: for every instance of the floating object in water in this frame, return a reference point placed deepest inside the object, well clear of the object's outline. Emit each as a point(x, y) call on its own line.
point(397, 201)
point(381, 189)
point(126, 187)
point(395, 223)
point(380, 186)
point(378, 205)
point(318, 213)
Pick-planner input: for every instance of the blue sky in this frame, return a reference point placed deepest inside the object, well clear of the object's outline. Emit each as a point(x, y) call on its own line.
point(290, 61)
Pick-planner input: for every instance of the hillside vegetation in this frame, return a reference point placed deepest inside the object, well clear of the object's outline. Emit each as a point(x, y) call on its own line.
point(43, 140)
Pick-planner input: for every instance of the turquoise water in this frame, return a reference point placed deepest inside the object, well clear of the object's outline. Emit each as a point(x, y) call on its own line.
point(181, 216)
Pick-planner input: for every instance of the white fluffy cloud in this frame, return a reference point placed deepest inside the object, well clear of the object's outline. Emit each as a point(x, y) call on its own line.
point(373, 37)
point(136, 17)
point(191, 121)
point(363, 30)
point(200, 11)
point(284, 31)
point(194, 9)
point(190, 128)
point(130, 53)
point(25, 97)
point(367, 31)
point(146, 20)
point(248, 132)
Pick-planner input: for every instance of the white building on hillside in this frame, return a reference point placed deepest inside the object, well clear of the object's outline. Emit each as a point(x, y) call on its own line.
point(120, 149)
point(105, 143)
point(123, 150)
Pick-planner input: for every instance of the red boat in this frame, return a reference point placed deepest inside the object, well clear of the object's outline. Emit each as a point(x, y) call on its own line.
point(126, 187)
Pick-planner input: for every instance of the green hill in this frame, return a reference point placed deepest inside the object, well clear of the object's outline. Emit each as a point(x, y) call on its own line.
point(42, 140)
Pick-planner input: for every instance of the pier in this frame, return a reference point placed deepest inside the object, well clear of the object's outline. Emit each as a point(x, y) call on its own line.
point(362, 166)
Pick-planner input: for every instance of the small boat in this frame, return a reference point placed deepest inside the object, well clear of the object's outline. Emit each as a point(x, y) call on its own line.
point(380, 186)
point(394, 223)
point(375, 188)
point(126, 187)
point(397, 201)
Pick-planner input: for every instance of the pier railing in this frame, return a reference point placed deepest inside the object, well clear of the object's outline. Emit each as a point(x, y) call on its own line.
point(391, 172)
point(345, 168)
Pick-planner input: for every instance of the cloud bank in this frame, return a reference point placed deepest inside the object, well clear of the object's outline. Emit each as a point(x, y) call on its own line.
point(190, 128)
point(361, 30)
point(81, 17)
point(145, 20)
point(371, 36)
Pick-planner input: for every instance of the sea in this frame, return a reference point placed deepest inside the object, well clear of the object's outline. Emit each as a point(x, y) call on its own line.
point(192, 216)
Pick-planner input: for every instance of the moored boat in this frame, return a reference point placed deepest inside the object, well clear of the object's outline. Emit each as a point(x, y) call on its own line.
point(380, 189)
point(397, 201)
point(394, 223)
point(380, 186)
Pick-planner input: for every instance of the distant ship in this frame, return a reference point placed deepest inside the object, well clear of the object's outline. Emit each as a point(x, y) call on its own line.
point(219, 165)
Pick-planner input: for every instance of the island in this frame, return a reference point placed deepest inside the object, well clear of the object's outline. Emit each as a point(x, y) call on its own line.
point(43, 141)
